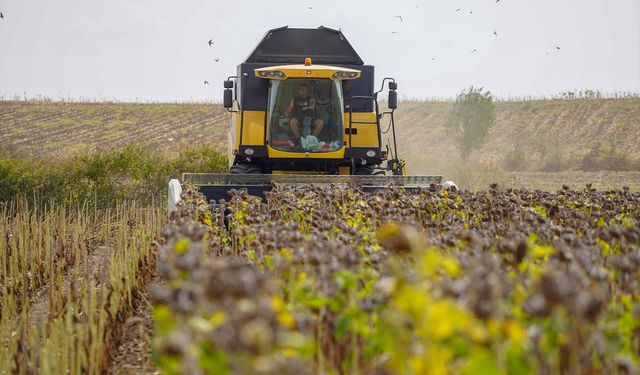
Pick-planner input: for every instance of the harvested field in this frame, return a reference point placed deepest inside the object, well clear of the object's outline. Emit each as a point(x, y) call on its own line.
point(59, 129)
point(69, 282)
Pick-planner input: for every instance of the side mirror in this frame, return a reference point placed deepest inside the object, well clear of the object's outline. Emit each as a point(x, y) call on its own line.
point(227, 100)
point(393, 86)
point(393, 99)
point(228, 84)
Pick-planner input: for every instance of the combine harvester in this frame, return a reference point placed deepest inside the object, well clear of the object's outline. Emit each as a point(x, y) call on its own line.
point(304, 111)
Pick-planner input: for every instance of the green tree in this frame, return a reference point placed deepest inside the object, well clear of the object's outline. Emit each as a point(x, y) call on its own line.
point(470, 119)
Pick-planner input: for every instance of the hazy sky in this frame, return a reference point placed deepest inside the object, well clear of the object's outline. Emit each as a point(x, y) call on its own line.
point(157, 50)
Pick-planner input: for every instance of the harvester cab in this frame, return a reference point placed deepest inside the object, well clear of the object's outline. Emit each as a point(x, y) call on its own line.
point(304, 110)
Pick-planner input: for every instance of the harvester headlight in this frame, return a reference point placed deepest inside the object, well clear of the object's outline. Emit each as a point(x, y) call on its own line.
point(272, 74)
point(371, 153)
point(248, 151)
point(337, 75)
point(280, 74)
point(263, 74)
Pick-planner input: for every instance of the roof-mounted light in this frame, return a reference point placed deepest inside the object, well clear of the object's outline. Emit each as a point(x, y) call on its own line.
point(344, 75)
point(307, 61)
point(271, 74)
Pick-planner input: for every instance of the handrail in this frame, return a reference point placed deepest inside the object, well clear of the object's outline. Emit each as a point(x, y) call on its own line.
point(351, 122)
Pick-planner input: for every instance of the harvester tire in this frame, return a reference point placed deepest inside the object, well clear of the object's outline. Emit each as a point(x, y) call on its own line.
point(363, 171)
point(245, 169)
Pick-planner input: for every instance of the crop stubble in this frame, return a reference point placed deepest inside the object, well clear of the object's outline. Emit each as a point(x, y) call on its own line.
point(69, 280)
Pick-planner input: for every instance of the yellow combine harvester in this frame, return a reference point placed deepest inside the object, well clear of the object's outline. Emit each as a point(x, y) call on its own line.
point(304, 110)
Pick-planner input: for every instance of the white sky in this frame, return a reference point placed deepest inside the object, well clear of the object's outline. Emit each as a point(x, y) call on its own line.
point(156, 50)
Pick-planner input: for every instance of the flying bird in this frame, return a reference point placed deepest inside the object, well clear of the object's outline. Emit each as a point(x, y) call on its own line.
point(433, 59)
point(309, 7)
point(401, 20)
point(470, 12)
point(210, 42)
point(1, 15)
point(474, 51)
point(495, 33)
point(557, 48)
point(216, 59)
point(394, 32)
point(206, 82)
point(457, 10)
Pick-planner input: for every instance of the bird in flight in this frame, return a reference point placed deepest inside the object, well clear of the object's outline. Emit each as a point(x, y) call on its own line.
point(1, 15)
point(474, 51)
point(210, 42)
point(400, 18)
point(206, 82)
point(309, 7)
point(495, 32)
point(216, 59)
point(433, 59)
point(557, 48)
point(470, 12)
point(457, 10)
point(394, 32)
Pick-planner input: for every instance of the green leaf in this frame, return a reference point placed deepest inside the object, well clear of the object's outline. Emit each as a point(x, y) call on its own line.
point(481, 362)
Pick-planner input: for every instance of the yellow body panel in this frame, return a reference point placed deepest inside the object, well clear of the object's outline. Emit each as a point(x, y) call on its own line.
point(307, 71)
point(344, 170)
point(253, 129)
point(367, 133)
point(277, 154)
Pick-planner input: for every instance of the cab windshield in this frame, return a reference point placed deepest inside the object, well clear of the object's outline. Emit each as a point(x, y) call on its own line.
point(305, 115)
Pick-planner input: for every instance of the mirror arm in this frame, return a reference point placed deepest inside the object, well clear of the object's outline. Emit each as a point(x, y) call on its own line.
point(383, 81)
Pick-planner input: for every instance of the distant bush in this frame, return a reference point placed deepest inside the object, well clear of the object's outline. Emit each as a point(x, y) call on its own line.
point(470, 119)
point(554, 162)
point(129, 173)
point(515, 159)
point(606, 156)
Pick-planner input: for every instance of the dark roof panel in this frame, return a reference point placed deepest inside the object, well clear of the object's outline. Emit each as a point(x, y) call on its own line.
point(291, 46)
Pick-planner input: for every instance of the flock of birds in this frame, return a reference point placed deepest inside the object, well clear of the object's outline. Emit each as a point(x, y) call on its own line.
point(495, 32)
point(474, 51)
point(401, 19)
point(210, 43)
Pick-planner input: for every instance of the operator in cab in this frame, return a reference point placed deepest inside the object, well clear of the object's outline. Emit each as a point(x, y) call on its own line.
point(302, 108)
